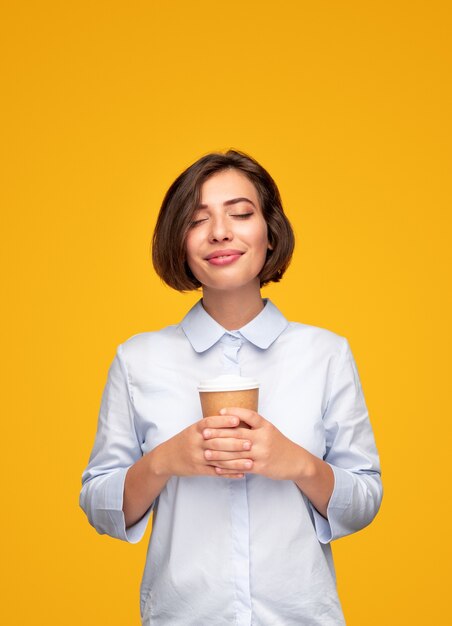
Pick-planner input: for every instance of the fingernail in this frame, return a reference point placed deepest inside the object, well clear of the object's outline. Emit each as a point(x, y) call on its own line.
point(206, 433)
point(222, 411)
point(248, 464)
point(208, 454)
point(234, 421)
point(247, 445)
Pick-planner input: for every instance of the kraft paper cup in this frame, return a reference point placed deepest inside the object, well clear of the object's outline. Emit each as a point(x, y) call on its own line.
point(228, 390)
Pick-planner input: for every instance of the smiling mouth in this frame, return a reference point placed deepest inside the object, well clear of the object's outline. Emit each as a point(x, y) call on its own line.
point(224, 259)
point(223, 254)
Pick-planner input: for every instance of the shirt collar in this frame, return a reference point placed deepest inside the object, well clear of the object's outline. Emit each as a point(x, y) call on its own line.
point(203, 331)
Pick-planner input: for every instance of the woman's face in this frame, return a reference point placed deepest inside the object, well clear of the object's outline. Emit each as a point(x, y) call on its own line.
point(227, 242)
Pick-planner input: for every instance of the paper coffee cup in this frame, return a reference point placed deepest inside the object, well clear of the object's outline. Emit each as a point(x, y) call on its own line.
point(228, 390)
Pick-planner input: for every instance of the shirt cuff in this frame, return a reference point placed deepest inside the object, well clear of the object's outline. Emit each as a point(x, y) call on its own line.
point(329, 529)
point(105, 508)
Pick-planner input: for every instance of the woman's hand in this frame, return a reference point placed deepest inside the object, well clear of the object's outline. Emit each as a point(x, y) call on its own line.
point(271, 454)
point(184, 454)
point(266, 451)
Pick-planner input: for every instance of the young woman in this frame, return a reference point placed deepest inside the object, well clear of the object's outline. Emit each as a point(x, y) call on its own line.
point(242, 517)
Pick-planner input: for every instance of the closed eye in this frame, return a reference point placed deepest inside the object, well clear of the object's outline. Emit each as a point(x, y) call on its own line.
point(240, 216)
point(243, 216)
point(196, 222)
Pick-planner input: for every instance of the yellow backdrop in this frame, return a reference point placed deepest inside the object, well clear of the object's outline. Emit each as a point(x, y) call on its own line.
point(347, 104)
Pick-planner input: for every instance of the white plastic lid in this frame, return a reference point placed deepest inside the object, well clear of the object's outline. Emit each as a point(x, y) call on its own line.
point(228, 382)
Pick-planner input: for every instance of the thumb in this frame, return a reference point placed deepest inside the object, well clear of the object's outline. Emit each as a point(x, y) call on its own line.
point(253, 419)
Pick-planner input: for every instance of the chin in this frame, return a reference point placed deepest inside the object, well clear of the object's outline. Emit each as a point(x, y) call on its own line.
point(231, 285)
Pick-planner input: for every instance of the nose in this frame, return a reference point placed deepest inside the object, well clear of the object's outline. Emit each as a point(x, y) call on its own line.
point(219, 230)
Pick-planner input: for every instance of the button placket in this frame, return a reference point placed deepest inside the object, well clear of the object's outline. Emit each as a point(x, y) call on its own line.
point(231, 346)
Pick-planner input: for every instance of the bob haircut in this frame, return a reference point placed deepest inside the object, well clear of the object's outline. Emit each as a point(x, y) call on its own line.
point(181, 201)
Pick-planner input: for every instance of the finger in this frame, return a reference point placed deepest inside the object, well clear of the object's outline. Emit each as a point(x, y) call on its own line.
point(219, 455)
point(236, 433)
point(229, 444)
point(221, 471)
point(237, 465)
point(250, 417)
point(219, 421)
point(227, 474)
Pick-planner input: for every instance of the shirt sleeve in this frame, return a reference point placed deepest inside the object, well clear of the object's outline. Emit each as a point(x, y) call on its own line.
point(116, 448)
point(352, 455)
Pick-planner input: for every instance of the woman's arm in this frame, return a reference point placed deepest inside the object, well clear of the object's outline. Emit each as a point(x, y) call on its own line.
point(182, 455)
point(315, 480)
point(141, 487)
point(117, 447)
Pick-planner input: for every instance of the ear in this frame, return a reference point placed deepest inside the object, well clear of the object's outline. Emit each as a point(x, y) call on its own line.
point(269, 246)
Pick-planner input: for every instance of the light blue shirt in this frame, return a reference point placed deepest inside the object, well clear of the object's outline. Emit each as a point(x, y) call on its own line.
point(252, 551)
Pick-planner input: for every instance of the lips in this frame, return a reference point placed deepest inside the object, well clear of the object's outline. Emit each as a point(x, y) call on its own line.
point(223, 257)
point(223, 253)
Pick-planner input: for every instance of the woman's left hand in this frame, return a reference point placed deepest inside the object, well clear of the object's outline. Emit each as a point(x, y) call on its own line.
point(271, 454)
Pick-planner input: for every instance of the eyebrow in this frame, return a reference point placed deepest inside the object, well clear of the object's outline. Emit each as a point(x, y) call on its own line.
point(228, 203)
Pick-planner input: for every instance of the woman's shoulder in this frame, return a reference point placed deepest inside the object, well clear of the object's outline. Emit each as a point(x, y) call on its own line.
point(154, 340)
point(314, 336)
point(302, 334)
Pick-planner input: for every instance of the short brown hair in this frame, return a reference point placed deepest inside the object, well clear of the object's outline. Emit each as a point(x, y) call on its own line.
point(179, 205)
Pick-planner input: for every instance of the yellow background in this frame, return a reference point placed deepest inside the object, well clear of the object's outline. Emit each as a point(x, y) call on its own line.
point(348, 105)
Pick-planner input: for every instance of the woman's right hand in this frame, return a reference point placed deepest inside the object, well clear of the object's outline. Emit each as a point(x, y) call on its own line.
point(184, 454)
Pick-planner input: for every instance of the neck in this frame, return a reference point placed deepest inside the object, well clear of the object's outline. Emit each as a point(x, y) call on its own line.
point(232, 309)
